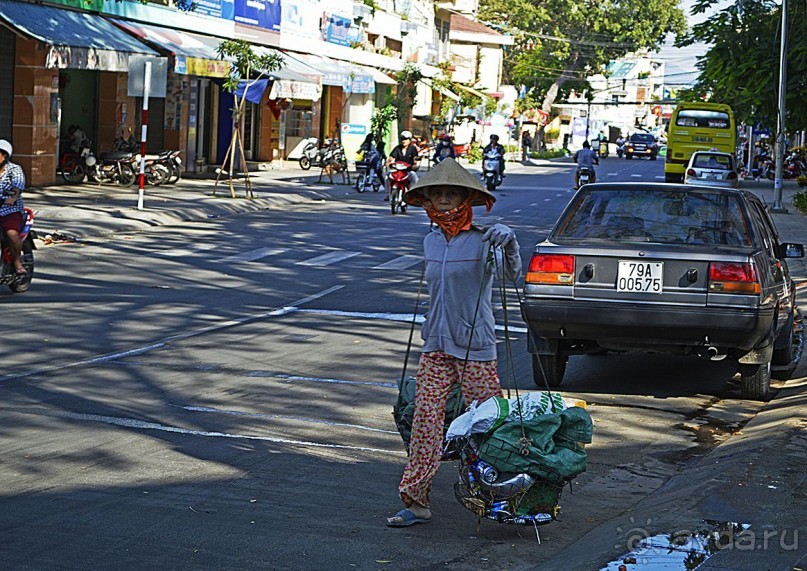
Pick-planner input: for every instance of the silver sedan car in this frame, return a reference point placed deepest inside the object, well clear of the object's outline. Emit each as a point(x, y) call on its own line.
point(711, 168)
point(683, 269)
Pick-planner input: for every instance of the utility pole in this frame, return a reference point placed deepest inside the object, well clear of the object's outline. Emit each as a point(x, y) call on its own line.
point(781, 130)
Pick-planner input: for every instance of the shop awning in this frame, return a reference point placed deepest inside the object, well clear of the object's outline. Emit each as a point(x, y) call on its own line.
point(352, 78)
point(294, 80)
point(379, 76)
point(76, 40)
point(194, 54)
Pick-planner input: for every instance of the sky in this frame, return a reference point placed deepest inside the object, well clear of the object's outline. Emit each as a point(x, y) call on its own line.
point(679, 63)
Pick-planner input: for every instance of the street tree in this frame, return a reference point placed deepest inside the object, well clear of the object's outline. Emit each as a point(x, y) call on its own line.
point(741, 65)
point(559, 43)
point(246, 67)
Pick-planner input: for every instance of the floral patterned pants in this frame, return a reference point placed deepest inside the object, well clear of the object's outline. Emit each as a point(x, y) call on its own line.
point(436, 375)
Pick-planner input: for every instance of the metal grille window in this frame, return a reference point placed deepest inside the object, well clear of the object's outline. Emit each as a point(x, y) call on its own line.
point(298, 123)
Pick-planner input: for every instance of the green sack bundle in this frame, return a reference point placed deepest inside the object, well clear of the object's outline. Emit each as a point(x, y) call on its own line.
point(404, 409)
point(552, 451)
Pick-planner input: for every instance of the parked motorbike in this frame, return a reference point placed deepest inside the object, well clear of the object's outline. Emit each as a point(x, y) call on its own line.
point(491, 174)
point(114, 168)
point(19, 283)
point(320, 157)
point(399, 183)
point(160, 168)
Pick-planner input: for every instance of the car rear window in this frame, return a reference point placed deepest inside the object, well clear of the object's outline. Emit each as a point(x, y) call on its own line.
point(709, 161)
point(702, 118)
point(658, 216)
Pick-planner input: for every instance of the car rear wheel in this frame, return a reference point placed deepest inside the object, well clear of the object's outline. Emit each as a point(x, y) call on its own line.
point(756, 381)
point(548, 370)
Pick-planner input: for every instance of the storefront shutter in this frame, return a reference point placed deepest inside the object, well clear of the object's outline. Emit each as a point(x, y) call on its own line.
point(7, 44)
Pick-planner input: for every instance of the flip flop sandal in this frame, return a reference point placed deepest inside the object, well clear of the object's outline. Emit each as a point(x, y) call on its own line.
point(407, 518)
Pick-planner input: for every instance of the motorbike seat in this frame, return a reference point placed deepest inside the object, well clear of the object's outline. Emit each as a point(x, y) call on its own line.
point(115, 156)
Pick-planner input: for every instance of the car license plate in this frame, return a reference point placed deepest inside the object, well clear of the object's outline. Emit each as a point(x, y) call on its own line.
point(640, 277)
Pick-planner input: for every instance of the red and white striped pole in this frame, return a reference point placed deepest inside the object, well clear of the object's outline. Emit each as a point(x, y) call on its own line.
point(143, 133)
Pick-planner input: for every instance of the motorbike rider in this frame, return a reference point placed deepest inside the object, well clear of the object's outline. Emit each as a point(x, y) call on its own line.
point(444, 149)
point(12, 183)
point(370, 153)
point(405, 152)
point(494, 145)
point(587, 158)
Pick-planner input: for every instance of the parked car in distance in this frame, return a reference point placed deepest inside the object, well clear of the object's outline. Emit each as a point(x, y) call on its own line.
point(679, 269)
point(641, 145)
point(711, 168)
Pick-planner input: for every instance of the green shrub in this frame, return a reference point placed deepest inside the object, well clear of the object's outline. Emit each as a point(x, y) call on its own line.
point(550, 154)
point(801, 180)
point(474, 154)
point(800, 201)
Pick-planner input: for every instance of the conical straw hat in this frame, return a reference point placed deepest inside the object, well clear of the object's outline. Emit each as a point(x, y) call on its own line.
point(449, 172)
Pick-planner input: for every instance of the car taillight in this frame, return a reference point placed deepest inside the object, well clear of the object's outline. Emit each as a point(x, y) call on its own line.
point(730, 277)
point(691, 172)
point(551, 269)
point(731, 176)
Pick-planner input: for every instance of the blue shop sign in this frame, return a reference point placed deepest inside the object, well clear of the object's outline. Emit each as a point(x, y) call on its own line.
point(261, 13)
point(224, 9)
point(337, 29)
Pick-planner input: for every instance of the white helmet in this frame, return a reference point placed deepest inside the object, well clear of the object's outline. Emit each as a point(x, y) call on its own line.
point(406, 135)
point(5, 146)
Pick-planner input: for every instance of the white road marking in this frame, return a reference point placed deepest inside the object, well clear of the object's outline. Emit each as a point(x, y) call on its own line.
point(177, 252)
point(611, 174)
point(327, 259)
point(144, 425)
point(275, 374)
point(286, 416)
point(660, 178)
point(400, 263)
point(636, 176)
point(252, 255)
point(165, 341)
point(403, 317)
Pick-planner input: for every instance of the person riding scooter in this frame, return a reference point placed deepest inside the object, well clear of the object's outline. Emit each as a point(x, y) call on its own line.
point(12, 183)
point(404, 152)
point(585, 158)
point(494, 145)
point(444, 149)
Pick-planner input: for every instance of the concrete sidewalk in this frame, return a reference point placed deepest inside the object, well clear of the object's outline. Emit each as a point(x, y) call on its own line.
point(86, 210)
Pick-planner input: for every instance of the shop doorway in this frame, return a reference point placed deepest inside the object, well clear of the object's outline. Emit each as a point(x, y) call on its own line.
point(78, 93)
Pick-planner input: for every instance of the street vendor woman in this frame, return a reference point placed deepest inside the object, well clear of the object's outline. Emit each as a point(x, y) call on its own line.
point(459, 273)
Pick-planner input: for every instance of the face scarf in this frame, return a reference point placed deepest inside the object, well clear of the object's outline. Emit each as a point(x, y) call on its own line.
point(453, 221)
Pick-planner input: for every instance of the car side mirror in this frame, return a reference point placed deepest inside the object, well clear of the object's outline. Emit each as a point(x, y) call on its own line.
point(791, 250)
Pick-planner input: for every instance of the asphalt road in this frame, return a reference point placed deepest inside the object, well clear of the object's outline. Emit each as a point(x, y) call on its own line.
point(218, 394)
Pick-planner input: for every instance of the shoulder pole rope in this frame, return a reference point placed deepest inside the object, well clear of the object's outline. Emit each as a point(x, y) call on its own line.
point(524, 441)
point(414, 320)
point(529, 334)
